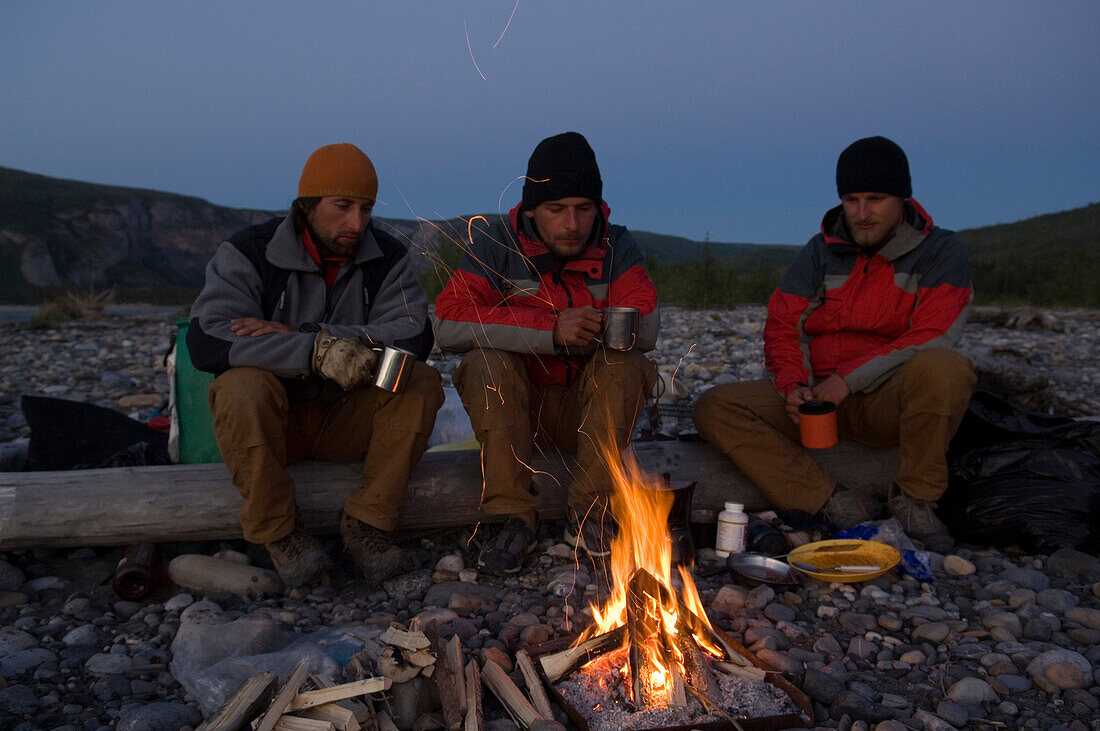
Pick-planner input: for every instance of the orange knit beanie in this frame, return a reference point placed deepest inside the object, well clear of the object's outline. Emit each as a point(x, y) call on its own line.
point(338, 170)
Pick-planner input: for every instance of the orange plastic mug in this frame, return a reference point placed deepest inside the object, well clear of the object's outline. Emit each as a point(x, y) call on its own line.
point(817, 423)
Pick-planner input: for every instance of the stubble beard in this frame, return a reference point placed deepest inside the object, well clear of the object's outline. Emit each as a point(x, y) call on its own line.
point(327, 245)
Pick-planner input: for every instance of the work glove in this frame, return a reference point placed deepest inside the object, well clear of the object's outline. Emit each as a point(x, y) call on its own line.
point(347, 361)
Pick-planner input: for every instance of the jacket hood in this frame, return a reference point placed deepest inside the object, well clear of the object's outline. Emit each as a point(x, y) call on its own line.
point(545, 259)
point(916, 226)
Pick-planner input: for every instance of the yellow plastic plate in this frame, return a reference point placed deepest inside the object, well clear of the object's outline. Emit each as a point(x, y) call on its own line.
point(844, 552)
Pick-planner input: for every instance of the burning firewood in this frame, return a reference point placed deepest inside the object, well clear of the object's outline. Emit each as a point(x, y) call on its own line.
point(558, 664)
point(654, 676)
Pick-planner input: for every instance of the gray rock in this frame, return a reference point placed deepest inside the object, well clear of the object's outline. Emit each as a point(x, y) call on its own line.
point(18, 699)
point(108, 664)
point(759, 597)
point(892, 700)
point(934, 632)
point(1085, 616)
point(83, 636)
point(828, 646)
point(1009, 684)
point(971, 692)
point(779, 613)
point(179, 602)
point(11, 577)
point(24, 661)
point(860, 647)
point(857, 706)
point(14, 640)
point(729, 599)
point(932, 722)
point(1069, 561)
point(783, 662)
point(1042, 627)
point(413, 585)
point(820, 686)
point(209, 575)
point(857, 623)
point(42, 583)
point(439, 595)
point(160, 716)
point(970, 650)
point(1057, 601)
point(1029, 578)
point(953, 713)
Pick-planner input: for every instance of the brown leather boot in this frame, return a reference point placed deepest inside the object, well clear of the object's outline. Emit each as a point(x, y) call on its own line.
point(370, 549)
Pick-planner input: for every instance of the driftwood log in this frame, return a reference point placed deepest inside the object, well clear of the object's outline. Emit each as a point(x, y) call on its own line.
point(124, 505)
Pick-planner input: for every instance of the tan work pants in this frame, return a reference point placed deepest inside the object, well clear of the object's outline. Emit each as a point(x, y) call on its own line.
point(919, 408)
point(509, 415)
point(260, 430)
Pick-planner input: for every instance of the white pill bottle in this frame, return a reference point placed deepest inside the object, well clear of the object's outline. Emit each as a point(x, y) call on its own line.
point(732, 526)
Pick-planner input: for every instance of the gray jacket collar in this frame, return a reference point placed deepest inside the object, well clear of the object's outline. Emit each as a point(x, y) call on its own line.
point(286, 251)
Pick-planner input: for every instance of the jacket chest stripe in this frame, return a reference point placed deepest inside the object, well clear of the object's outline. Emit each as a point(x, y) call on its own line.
point(523, 287)
point(599, 291)
point(908, 283)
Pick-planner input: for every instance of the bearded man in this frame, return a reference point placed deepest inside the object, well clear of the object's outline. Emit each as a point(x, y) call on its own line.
point(526, 303)
point(290, 320)
point(866, 318)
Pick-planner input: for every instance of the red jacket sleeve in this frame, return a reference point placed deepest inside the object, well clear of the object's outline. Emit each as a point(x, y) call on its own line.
point(784, 356)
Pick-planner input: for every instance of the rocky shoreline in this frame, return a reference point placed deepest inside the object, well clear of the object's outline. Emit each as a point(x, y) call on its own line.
point(997, 639)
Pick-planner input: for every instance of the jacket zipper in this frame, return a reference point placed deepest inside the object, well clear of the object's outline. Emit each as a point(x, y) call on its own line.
point(569, 301)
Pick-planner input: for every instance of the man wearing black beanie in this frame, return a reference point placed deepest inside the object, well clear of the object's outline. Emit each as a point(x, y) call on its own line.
point(527, 304)
point(865, 318)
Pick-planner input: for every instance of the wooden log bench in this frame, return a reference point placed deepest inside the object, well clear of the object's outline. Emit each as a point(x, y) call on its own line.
point(124, 505)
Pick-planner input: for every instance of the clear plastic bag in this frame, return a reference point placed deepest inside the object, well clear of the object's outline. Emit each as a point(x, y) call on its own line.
point(213, 656)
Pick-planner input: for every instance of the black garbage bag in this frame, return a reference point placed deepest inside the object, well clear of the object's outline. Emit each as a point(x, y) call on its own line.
point(1024, 479)
point(68, 435)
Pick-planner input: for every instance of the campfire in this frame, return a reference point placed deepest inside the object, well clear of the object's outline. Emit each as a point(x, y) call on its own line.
point(652, 658)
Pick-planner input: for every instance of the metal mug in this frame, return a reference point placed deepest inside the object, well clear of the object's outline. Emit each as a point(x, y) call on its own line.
point(620, 327)
point(393, 369)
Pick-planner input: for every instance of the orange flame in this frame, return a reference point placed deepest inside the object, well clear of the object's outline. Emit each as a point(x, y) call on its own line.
point(641, 503)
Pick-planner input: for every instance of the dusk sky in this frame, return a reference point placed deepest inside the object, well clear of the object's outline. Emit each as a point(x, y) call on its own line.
point(706, 117)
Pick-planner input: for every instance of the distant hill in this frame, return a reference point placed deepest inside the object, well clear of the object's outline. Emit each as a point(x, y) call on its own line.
point(63, 234)
point(1052, 259)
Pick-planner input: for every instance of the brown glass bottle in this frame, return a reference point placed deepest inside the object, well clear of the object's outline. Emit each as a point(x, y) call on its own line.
point(137, 572)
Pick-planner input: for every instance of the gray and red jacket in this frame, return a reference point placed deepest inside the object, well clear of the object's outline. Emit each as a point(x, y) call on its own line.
point(508, 288)
point(837, 310)
point(266, 272)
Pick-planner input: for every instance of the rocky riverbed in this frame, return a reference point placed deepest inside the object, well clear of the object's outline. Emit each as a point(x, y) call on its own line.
point(998, 639)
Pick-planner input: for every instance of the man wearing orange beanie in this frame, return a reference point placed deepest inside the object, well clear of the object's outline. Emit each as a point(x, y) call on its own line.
point(290, 320)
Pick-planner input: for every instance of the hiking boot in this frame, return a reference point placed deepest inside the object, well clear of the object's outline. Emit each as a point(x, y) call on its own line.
point(504, 555)
point(918, 519)
point(298, 558)
point(593, 533)
point(847, 508)
point(370, 549)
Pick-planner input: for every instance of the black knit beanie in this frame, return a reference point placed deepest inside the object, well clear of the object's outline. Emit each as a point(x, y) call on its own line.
point(562, 166)
point(873, 165)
